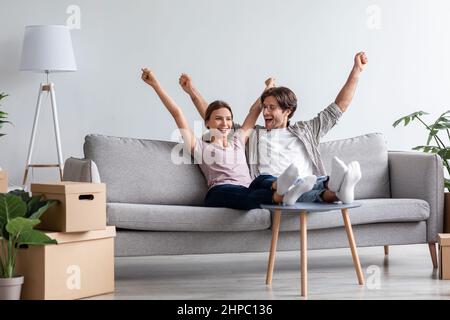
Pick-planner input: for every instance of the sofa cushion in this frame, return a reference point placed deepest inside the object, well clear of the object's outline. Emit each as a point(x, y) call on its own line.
point(185, 218)
point(371, 211)
point(142, 171)
point(371, 152)
point(82, 170)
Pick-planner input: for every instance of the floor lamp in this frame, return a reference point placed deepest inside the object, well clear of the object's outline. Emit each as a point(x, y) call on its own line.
point(47, 49)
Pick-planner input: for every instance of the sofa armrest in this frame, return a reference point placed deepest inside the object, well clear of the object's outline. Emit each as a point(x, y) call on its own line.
point(81, 170)
point(419, 175)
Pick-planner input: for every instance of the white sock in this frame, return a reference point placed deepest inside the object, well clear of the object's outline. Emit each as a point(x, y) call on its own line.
point(338, 171)
point(347, 192)
point(303, 185)
point(287, 179)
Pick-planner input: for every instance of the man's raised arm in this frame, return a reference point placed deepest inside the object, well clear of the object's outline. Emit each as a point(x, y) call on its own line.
point(198, 100)
point(345, 96)
point(255, 111)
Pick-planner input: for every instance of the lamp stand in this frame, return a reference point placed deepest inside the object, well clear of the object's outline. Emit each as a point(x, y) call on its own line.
point(48, 87)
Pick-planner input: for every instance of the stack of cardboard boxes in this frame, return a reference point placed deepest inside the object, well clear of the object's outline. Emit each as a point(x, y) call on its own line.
point(82, 263)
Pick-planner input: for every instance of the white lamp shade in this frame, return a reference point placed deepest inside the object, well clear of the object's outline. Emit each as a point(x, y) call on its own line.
point(47, 48)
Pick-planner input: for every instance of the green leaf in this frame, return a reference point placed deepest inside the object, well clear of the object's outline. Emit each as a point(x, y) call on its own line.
point(442, 126)
point(11, 206)
point(3, 233)
point(397, 122)
point(431, 135)
point(407, 119)
point(33, 205)
point(447, 183)
point(35, 237)
point(44, 206)
point(427, 149)
point(20, 225)
point(22, 194)
point(444, 153)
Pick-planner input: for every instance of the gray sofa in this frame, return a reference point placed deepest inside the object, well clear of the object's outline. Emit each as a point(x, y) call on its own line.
point(156, 204)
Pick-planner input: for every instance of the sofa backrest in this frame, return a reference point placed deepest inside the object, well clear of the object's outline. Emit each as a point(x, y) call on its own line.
point(370, 150)
point(142, 171)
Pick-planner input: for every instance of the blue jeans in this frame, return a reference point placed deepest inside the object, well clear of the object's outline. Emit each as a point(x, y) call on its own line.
point(259, 192)
point(240, 197)
point(314, 195)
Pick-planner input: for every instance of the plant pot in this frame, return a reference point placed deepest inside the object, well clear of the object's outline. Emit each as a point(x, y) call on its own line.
point(447, 212)
point(10, 288)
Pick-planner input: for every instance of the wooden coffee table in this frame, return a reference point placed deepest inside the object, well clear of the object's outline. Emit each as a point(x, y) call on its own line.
point(304, 208)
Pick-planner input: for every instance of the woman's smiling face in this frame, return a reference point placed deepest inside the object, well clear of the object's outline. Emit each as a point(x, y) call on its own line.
point(220, 122)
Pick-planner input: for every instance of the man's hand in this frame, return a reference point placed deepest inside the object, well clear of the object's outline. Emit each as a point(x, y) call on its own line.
point(186, 83)
point(360, 61)
point(149, 77)
point(270, 83)
point(345, 96)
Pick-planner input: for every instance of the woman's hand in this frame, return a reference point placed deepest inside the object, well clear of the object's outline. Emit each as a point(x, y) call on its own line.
point(186, 83)
point(270, 83)
point(149, 77)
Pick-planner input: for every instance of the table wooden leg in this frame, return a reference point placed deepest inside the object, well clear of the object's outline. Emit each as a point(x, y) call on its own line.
point(351, 241)
point(273, 245)
point(303, 254)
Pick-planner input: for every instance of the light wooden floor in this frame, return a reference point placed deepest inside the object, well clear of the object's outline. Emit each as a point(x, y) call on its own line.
point(407, 273)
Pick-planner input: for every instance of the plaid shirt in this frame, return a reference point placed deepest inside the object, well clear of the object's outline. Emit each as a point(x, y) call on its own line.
point(309, 132)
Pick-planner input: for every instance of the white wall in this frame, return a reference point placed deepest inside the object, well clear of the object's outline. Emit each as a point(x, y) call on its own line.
point(229, 47)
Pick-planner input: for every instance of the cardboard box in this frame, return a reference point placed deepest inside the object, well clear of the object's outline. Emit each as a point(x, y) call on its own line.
point(82, 206)
point(444, 255)
point(80, 265)
point(3, 181)
point(446, 212)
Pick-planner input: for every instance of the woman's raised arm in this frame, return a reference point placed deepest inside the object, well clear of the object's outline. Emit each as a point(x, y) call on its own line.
point(188, 136)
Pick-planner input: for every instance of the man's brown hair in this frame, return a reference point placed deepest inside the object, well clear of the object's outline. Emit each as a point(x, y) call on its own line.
point(285, 97)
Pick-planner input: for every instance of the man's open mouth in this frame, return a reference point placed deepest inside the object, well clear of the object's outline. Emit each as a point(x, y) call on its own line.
point(268, 121)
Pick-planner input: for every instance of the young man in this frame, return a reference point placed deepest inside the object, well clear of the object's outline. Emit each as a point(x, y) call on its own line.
point(279, 144)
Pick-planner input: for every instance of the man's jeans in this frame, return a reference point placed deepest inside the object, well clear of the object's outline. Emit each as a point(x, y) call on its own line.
point(314, 195)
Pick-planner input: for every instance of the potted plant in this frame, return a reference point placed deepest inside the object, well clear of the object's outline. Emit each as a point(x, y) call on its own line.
point(438, 145)
point(19, 214)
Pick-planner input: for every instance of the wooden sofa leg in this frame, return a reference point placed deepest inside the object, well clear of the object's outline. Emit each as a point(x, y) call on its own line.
point(433, 253)
point(386, 250)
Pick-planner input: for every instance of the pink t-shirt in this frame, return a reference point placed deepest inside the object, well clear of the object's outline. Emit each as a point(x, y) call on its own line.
point(223, 165)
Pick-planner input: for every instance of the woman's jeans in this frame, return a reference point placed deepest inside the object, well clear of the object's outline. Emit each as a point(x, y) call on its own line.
point(259, 192)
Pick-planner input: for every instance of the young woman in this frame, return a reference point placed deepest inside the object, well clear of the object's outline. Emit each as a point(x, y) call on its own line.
point(222, 159)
